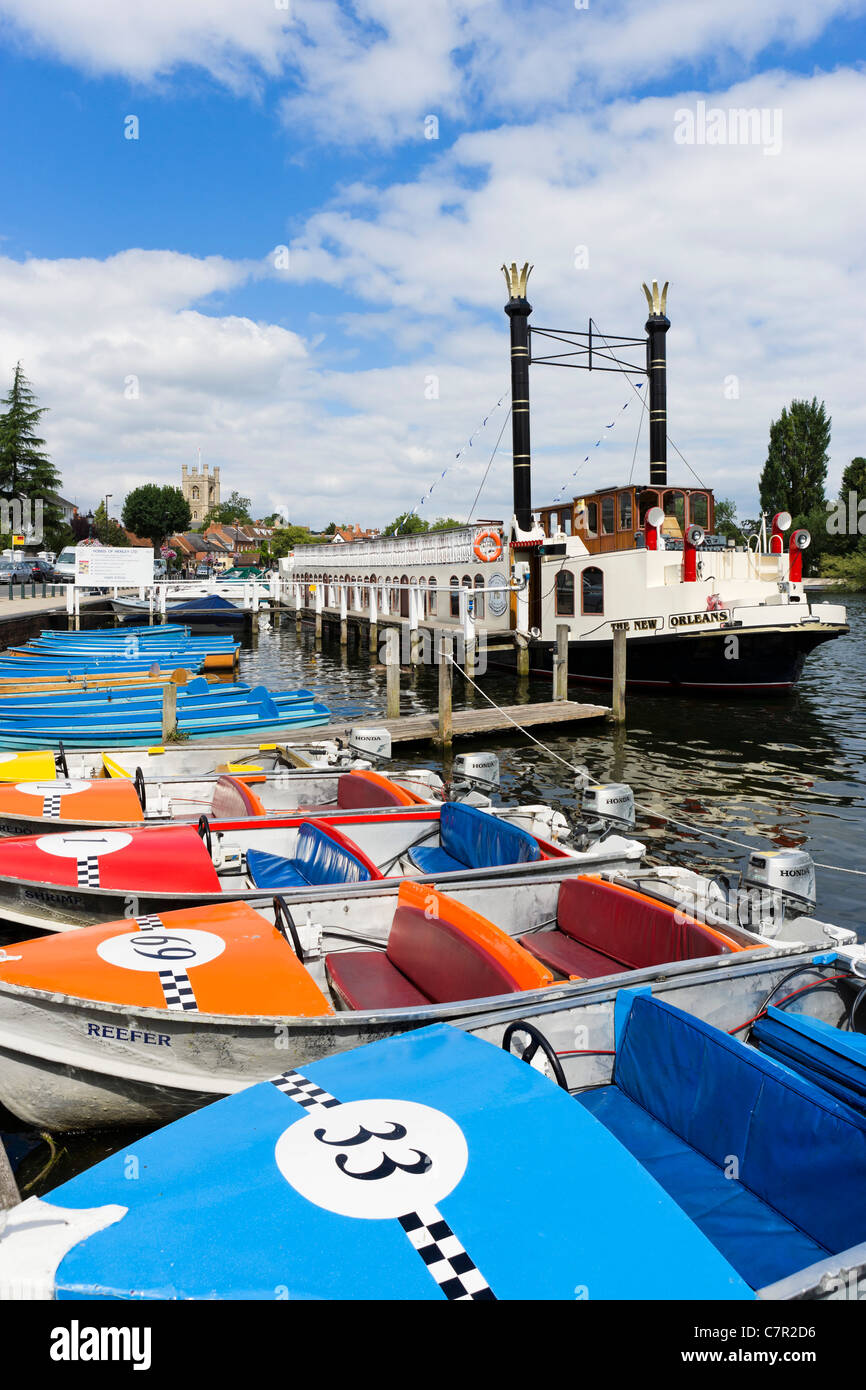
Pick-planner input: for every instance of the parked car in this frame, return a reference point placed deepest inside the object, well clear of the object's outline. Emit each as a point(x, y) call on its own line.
point(203, 572)
point(15, 572)
point(64, 566)
point(43, 572)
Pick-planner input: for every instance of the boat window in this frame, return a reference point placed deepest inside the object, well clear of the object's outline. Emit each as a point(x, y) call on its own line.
point(565, 594)
point(648, 500)
point(479, 595)
point(455, 596)
point(625, 512)
point(607, 516)
point(675, 507)
point(565, 522)
point(592, 518)
point(699, 509)
point(592, 590)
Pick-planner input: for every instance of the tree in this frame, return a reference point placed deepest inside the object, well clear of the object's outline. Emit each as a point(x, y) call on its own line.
point(156, 512)
point(106, 529)
point(444, 523)
point(726, 519)
point(408, 524)
point(288, 538)
point(25, 470)
point(796, 468)
point(237, 508)
point(848, 524)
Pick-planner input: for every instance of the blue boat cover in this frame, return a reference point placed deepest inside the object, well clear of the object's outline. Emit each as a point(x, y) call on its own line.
point(472, 838)
point(771, 1168)
point(420, 1167)
point(209, 602)
point(318, 860)
point(833, 1060)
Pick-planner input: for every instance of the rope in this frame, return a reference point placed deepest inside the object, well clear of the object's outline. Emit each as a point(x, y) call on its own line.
point(487, 469)
point(705, 831)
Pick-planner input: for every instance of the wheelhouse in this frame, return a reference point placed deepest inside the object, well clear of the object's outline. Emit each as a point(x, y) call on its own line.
point(613, 518)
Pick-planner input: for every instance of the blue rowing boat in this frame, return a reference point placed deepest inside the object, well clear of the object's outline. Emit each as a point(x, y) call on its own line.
point(429, 1166)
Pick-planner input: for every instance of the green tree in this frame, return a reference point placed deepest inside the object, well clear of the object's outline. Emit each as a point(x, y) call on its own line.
point(25, 469)
point(156, 512)
point(444, 523)
point(106, 529)
point(288, 538)
point(726, 519)
point(237, 508)
point(845, 520)
point(794, 474)
point(850, 568)
point(408, 524)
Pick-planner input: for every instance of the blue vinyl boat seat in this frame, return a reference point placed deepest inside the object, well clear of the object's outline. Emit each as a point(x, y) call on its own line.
point(833, 1060)
point(473, 839)
point(769, 1167)
point(322, 856)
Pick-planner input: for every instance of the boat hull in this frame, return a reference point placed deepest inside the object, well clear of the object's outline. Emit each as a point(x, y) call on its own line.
point(735, 661)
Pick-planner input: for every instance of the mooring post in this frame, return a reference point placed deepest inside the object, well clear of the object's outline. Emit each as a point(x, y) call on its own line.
point(169, 710)
point(560, 663)
point(392, 673)
point(344, 615)
point(619, 672)
point(319, 598)
point(446, 731)
point(521, 645)
point(374, 622)
point(9, 1194)
point(414, 634)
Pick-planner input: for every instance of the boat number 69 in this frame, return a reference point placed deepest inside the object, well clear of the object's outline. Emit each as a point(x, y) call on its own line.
point(166, 947)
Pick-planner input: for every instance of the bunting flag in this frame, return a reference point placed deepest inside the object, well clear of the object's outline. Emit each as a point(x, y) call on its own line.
point(598, 442)
point(456, 464)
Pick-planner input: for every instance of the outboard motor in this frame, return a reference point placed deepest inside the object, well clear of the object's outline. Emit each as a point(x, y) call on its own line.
point(780, 879)
point(370, 743)
point(609, 804)
point(476, 772)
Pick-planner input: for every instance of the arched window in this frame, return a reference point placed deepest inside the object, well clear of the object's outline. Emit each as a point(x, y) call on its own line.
point(648, 500)
point(625, 513)
point(675, 513)
point(455, 596)
point(479, 595)
point(699, 509)
point(195, 494)
point(565, 594)
point(592, 590)
point(432, 597)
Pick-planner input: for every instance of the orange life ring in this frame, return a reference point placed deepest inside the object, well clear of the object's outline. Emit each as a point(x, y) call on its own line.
point(492, 551)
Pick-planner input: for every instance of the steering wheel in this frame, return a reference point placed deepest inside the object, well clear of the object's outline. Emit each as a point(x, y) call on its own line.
point(140, 788)
point(204, 831)
point(536, 1040)
point(61, 760)
point(285, 925)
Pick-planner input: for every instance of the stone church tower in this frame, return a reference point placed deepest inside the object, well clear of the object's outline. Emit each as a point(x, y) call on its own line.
point(201, 490)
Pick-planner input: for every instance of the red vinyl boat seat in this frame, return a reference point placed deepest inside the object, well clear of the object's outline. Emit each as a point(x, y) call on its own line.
point(604, 929)
point(438, 951)
point(362, 789)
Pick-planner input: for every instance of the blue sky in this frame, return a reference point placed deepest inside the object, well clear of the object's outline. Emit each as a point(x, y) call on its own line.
point(259, 127)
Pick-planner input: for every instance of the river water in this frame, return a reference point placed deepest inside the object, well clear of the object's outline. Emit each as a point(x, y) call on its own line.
point(789, 770)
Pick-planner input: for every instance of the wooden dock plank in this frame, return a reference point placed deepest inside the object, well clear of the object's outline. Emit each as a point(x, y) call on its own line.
point(423, 728)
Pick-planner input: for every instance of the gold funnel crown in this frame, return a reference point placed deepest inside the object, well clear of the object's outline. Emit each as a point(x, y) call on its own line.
point(516, 279)
point(656, 302)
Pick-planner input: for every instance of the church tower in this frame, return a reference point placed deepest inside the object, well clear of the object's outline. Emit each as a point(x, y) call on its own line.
point(201, 489)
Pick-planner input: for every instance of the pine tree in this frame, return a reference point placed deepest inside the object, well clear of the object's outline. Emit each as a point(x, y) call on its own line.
point(25, 470)
point(796, 468)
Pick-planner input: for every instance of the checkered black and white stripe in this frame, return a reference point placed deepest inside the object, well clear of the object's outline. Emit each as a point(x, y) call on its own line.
point(149, 922)
point(178, 991)
point(88, 871)
point(298, 1087)
point(51, 806)
point(447, 1261)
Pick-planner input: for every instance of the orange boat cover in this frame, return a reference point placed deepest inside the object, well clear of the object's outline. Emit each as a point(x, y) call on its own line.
point(226, 959)
point(101, 801)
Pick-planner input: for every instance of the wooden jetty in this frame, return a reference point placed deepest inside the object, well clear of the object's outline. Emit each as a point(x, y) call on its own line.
point(465, 723)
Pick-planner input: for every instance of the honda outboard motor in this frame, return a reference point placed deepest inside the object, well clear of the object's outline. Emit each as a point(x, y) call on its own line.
point(609, 802)
point(370, 743)
point(475, 771)
point(774, 881)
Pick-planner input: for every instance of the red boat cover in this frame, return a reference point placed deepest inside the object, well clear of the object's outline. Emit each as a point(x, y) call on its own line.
point(170, 858)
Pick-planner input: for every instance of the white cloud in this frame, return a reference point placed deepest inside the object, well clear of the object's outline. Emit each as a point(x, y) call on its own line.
point(768, 283)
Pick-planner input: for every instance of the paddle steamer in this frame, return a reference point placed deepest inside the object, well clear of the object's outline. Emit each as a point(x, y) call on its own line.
point(699, 612)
